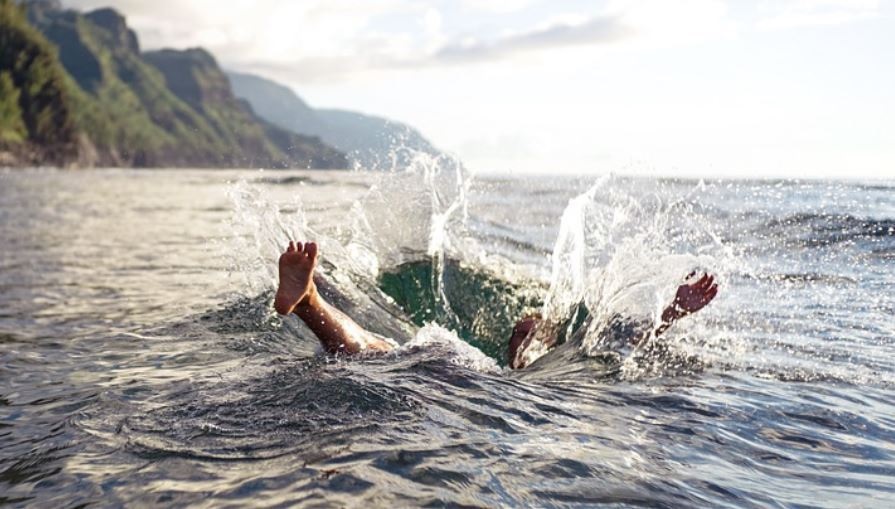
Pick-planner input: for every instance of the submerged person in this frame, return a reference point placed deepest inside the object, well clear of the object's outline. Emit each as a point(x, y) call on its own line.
point(531, 337)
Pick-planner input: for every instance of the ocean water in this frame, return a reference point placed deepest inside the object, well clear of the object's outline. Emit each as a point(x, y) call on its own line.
point(141, 362)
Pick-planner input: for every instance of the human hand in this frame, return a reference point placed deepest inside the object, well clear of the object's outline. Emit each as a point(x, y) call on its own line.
point(690, 298)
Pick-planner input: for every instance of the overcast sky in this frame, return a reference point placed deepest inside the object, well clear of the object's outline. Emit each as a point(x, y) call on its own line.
point(686, 87)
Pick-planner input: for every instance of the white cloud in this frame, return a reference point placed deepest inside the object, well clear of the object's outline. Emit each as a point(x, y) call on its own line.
point(394, 52)
point(498, 6)
point(599, 30)
point(663, 23)
point(797, 13)
point(241, 31)
point(332, 40)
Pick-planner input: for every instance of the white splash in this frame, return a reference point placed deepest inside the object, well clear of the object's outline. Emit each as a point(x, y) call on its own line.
point(621, 251)
point(433, 337)
point(259, 233)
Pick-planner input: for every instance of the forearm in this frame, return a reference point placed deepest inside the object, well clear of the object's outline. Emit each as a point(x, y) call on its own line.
point(670, 315)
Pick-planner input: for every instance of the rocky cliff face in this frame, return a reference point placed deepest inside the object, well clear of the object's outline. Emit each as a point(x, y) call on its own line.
point(127, 108)
point(196, 79)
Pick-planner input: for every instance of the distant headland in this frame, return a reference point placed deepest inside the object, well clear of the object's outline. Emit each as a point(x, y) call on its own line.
point(77, 91)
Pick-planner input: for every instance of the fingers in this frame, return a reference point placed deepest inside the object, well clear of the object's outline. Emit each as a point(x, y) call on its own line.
point(700, 283)
point(705, 282)
point(710, 293)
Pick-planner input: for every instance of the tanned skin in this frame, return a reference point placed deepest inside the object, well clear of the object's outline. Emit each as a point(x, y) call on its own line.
point(339, 334)
point(297, 294)
point(533, 332)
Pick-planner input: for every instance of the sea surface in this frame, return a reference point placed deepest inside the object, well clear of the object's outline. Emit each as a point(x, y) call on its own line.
point(141, 363)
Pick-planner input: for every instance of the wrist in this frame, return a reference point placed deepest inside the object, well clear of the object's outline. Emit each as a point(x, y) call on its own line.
point(672, 313)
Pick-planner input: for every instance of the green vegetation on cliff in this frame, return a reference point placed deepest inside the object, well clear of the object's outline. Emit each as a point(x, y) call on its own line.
point(35, 106)
point(115, 106)
point(196, 79)
point(12, 125)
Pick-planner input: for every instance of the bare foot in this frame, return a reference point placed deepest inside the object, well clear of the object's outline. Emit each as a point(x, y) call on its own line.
point(296, 277)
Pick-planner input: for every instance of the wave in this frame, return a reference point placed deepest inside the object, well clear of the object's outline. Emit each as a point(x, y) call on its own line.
point(806, 277)
point(822, 230)
point(283, 411)
point(410, 253)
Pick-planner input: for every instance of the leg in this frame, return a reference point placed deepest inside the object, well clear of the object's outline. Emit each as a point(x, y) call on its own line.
point(297, 294)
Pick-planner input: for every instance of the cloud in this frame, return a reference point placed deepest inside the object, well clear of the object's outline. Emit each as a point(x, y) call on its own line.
point(499, 6)
point(334, 39)
point(268, 29)
point(799, 13)
point(664, 24)
point(600, 30)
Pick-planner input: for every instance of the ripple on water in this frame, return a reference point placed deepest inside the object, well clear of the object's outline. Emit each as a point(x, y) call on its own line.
point(142, 366)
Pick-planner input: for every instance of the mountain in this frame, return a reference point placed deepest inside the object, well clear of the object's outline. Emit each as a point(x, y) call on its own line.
point(196, 79)
point(129, 108)
point(36, 108)
point(370, 141)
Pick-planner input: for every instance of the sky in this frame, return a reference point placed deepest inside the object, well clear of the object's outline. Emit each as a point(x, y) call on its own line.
point(730, 88)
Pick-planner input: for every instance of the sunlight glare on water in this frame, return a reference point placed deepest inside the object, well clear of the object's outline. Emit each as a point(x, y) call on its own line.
point(144, 364)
